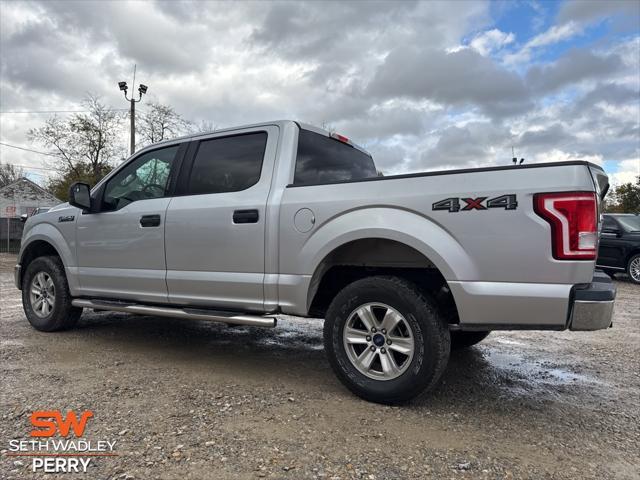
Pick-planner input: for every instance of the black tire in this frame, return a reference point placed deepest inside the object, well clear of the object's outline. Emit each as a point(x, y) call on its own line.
point(430, 336)
point(62, 314)
point(461, 340)
point(632, 268)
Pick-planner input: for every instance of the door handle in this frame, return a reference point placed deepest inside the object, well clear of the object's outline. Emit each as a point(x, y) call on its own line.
point(245, 216)
point(150, 220)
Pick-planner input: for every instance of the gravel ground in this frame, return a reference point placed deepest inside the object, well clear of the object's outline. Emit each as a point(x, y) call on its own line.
point(201, 400)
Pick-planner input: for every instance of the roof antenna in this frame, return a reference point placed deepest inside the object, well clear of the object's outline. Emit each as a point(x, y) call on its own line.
point(521, 161)
point(513, 156)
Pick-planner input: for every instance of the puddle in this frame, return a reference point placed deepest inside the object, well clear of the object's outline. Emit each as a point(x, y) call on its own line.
point(529, 376)
point(297, 333)
point(510, 342)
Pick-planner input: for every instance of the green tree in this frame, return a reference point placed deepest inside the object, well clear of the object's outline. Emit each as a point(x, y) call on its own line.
point(625, 198)
point(59, 184)
point(87, 145)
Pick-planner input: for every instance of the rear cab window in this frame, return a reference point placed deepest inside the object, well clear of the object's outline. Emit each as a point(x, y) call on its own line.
point(322, 159)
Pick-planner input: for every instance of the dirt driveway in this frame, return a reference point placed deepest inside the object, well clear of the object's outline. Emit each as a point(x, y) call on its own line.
point(200, 400)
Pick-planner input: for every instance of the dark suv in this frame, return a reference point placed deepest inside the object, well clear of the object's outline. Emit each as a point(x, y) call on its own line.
point(620, 245)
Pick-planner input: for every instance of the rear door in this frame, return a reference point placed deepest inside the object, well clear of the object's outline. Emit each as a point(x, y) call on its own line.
point(215, 228)
point(120, 250)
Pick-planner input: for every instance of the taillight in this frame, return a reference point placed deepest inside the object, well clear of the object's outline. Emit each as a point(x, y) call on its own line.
point(340, 138)
point(574, 224)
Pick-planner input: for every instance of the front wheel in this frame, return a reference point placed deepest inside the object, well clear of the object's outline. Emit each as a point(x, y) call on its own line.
point(45, 296)
point(633, 268)
point(385, 340)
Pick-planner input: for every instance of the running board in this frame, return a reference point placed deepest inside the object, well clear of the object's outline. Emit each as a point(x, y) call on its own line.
point(175, 312)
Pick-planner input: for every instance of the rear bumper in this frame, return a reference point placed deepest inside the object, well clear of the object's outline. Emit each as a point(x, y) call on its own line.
point(592, 307)
point(511, 306)
point(534, 306)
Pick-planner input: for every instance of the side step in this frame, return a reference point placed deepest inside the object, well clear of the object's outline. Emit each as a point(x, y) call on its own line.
point(176, 312)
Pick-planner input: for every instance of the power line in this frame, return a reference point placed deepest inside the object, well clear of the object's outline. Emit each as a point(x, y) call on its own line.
point(29, 150)
point(60, 111)
point(29, 167)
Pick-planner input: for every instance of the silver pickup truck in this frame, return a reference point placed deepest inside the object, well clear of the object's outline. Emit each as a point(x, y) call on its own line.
point(243, 224)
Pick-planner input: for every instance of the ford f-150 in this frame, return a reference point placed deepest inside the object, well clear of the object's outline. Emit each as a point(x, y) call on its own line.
point(243, 224)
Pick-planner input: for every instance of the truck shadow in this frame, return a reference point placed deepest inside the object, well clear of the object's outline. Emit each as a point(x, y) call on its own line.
point(487, 376)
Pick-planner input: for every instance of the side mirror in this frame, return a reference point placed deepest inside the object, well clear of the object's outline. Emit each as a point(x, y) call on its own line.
point(611, 231)
point(24, 217)
point(80, 196)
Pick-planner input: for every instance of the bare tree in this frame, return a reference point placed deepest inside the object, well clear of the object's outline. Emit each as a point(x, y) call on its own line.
point(9, 173)
point(160, 122)
point(328, 127)
point(86, 144)
point(203, 126)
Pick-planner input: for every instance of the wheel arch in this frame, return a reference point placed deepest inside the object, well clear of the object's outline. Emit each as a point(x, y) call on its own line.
point(44, 239)
point(634, 251)
point(386, 240)
point(371, 256)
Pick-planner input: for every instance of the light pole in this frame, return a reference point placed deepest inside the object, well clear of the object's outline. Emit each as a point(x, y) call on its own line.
point(142, 89)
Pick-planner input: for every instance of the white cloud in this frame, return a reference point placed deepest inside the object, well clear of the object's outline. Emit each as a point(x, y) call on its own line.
point(599, 9)
point(490, 41)
point(383, 74)
point(556, 155)
point(628, 171)
point(553, 35)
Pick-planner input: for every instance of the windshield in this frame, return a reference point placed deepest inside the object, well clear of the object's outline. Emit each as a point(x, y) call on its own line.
point(630, 224)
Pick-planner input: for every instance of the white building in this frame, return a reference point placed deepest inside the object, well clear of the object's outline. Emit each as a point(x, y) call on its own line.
point(24, 196)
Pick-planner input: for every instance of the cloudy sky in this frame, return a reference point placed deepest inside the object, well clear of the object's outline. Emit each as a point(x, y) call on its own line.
point(422, 85)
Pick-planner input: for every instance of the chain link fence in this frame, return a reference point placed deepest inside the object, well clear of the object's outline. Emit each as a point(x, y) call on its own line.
point(10, 234)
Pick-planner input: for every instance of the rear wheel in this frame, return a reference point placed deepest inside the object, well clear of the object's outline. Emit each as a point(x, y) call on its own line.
point(633, 268)
point(45, 296)
point(385, 340)
point(461, 340)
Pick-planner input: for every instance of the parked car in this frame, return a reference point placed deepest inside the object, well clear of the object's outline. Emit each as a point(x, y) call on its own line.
point(36, 211)
point(243, 224)
point(619, 249)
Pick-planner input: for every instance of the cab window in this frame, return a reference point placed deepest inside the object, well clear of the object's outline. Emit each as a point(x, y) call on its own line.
point(227, 164)
point(326, 160)
point(144, 178)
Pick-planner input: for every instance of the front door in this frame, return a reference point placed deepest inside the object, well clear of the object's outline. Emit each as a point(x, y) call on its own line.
point(215, 228)
point(120, 250)
point(611, 250)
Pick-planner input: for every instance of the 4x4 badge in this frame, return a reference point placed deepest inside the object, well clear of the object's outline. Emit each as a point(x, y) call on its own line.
point(452, 204)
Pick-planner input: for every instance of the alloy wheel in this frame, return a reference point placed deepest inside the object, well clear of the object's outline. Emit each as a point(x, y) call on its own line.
point(42, 294)
point(379, 341)
point(634, 269)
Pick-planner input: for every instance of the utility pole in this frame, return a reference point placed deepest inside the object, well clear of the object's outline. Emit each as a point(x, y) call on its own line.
point(142, 89)
point(132, 114)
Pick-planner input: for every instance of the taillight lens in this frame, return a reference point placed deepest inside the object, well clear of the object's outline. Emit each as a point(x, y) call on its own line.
point(574, 223)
